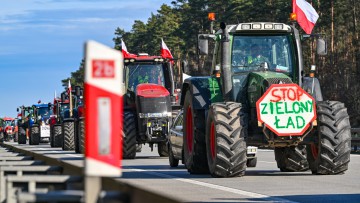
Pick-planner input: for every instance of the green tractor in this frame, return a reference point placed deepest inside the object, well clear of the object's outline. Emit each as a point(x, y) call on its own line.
point(221, 112)
point(25, 113)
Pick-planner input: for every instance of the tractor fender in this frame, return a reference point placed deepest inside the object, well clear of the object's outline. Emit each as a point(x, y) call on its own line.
point(312, 86)
point(202, 91)
point(68, 120)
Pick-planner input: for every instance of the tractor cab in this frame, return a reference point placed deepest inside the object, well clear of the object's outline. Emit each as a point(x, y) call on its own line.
point(145, 69)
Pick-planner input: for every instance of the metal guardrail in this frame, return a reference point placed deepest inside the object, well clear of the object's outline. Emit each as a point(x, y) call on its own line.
point(134, 194)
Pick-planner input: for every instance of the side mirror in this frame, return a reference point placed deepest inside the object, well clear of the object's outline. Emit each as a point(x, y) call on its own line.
point(17, 109)
point(321, 47)
point(203, 45)
point(184, 66)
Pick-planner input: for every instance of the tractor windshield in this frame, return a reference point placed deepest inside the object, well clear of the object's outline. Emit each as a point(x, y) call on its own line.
point(144, 73)
point(44, 112)
point(7, 123)
point(249, 53)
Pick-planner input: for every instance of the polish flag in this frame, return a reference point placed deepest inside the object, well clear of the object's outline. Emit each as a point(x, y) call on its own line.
point(69, 87)
point(165, 52)
point(306, 15)
point(125, 52)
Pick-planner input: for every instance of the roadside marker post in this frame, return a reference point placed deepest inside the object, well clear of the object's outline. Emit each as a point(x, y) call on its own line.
point(104, 88)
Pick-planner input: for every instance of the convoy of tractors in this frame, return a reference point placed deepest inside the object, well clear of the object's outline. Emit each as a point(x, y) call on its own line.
point(256, 95)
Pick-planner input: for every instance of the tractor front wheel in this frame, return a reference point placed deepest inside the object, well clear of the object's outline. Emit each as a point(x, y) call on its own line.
point(330, 154)
point(68, 133)
point(291, 159)
point(81, 136)
point(163, 149)
point(21, 135)
point(129, 136)
point(57, 136)
point(194, 138)
point(34, 135)
point(225, 140)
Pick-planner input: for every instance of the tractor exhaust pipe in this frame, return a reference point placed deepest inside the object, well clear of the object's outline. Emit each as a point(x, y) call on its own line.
point(225, 63)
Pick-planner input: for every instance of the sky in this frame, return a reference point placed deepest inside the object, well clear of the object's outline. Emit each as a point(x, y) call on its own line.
point(41, 42)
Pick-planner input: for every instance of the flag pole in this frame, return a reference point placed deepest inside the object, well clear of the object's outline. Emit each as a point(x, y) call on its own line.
point(70, 100)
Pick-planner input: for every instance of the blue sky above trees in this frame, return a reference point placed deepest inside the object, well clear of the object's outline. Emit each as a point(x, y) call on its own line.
point(41, 42)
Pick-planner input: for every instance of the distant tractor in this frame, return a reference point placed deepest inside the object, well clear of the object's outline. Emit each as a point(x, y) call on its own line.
point(24, 114)
point(261, 100)
point(59, 107)
point(39, 124)
point(8, 128)
point(69, 122)
point(148, 102)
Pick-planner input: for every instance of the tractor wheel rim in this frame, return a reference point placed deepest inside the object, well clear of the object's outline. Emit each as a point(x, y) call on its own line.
point(314, 151)
point(189, 130)
point(212, 140)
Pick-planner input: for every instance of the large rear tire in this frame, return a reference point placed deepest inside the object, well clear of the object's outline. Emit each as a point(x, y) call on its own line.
point(225, 139)
point(81, 137)
point(330, 154)
point(21, 135)
point(51, 136)
point(76, 137)
point(129, 136)
point(194, 138)
point(58, 137)
point(291, 159)
point(163, 149)
point(68, 133)
point(34, 135)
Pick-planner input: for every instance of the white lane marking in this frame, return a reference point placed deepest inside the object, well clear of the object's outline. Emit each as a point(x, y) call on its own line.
point(217, 187)
point(60, 152)
point(268, 162)
point(74, 155)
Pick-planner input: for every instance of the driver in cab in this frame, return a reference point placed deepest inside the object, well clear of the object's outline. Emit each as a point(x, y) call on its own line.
point(256, 55)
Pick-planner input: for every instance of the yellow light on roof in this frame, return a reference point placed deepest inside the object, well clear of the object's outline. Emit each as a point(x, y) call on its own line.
point(293, 16)
point(211, 16)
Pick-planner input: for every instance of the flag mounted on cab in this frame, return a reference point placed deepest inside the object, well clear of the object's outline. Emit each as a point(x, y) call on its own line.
point(125, 52)
point(306, 15)
point(165, 51)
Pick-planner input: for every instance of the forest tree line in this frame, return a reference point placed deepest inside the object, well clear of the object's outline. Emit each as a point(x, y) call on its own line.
point(180, 23)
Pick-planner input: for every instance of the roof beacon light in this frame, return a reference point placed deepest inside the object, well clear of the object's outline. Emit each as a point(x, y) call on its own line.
point(211, 16)
point(293, 17)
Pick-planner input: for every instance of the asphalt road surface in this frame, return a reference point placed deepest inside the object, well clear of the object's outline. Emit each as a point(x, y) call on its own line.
point(265, 183)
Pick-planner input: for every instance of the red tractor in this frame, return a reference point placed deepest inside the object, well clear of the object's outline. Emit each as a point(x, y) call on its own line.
point(59, 107)
point(148, 102)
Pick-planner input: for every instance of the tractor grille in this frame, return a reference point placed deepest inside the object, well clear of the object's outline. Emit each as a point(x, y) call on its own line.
point(154, 105)
point(277, 80)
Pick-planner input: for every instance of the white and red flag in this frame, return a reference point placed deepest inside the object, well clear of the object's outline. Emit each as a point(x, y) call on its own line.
point(69, 87)
point(305, 14)
point(125, 52)
point(165, 51)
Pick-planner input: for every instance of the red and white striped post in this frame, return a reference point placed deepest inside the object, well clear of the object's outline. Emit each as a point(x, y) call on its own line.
point(104, 88)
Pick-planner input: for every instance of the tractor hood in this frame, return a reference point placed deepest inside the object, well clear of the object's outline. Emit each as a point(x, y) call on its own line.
point(259, 82)
point(271, 77)
point(149, 90)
